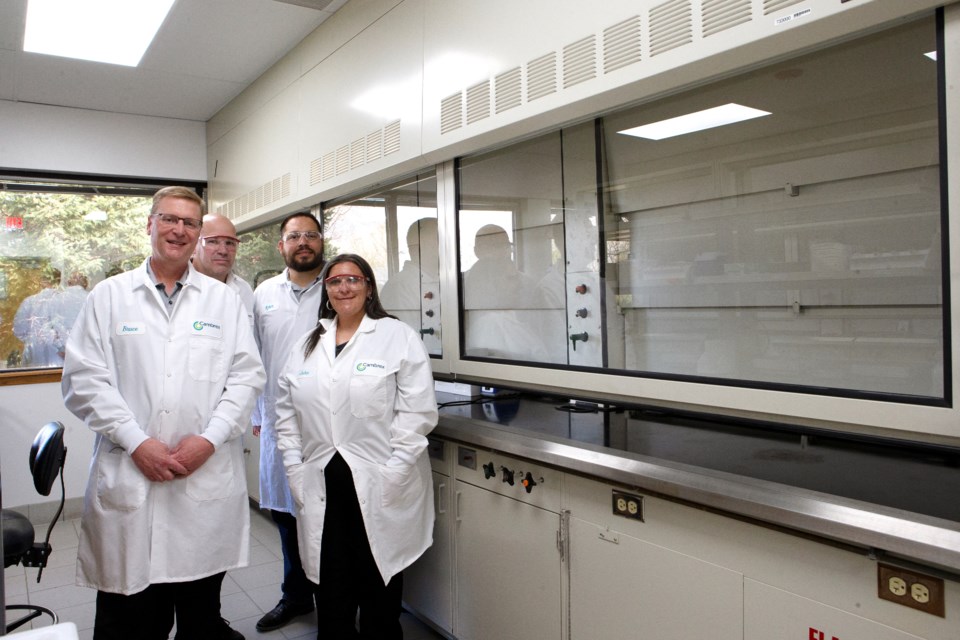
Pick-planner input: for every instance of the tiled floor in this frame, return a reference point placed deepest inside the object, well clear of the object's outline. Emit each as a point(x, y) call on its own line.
point(247, 593)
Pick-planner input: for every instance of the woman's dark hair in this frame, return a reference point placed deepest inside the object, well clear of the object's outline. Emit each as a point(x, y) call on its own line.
point(373, 307)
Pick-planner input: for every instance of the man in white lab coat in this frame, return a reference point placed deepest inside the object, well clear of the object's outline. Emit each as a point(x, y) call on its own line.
point(285, 307)
point(163, 367)
point(215, 256)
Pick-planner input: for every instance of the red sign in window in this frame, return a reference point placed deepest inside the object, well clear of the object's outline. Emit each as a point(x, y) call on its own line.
point(14, 222)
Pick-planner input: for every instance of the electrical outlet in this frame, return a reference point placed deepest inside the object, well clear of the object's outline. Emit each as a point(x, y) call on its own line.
point(627, 505)
point(911, 589)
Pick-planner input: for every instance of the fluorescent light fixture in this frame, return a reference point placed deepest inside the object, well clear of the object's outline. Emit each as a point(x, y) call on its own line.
point(698, 121)
point(931, 54)
point(96, 215)
point(113, 31)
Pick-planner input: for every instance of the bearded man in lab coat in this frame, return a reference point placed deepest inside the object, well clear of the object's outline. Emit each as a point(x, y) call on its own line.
point(286, 307)
point(163, 367)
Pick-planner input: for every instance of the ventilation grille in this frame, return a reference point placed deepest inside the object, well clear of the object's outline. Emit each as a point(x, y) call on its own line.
point(391, 138)
point(720, 15)
point(508, 90)
point(451, 112)
point(374, 146)
point(769, 6)
point(671, 26)
point(621, 44)
point(542, 76)
point(265, 194)
point(478, 102)
point(358, 153)
point(579, 61)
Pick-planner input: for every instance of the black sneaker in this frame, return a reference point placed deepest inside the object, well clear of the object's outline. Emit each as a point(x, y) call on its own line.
point(282, 614)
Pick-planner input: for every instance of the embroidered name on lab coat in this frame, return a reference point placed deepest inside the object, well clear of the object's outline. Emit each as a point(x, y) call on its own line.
point(270, 306)
point(206, 328)
point(131, 328)
point(370, 367)
point(304, 373)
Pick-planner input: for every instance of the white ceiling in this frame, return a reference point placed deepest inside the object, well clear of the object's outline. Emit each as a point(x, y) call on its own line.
point(206, 52)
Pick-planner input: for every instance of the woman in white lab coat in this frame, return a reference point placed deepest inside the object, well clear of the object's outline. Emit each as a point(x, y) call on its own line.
point(356, 403)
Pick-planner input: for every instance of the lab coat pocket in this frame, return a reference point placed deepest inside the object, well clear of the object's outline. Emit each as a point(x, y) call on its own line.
point(400, 487)
point(205, 359)
point(368, 396)
point(120, 484)
point(215, 479)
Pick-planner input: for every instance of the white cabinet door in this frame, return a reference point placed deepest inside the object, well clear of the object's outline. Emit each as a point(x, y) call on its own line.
point(623, 588)
point(508, 568)
point(428, 582)
point(775, 613)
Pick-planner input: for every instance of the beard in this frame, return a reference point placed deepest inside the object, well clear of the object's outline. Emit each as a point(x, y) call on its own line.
point(304, 262)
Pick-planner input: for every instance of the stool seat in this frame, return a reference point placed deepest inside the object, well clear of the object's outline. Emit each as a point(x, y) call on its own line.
point(17, 537)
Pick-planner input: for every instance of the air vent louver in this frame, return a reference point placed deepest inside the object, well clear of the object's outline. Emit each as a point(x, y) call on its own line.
point(580, 61)
point(621, 44)
point(451, 113)
point(478, 102)
point(720, 15)
point(542, 76)
point(265, 194)
point(671, 26)
point(769, 6)
point(508, 90)
point(391, 138)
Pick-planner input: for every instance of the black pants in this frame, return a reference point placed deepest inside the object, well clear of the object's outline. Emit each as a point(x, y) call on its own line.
point(296, 589)
point(149, 614)
point(349, 578)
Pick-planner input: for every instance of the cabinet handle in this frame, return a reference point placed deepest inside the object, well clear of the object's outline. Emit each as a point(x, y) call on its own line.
point(458, 507)
point(441, 491)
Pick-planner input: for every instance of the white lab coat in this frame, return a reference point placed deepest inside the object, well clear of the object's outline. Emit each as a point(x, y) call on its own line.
point(245, 291)
point(279, 320)
point(133, 372)
point(375, 404)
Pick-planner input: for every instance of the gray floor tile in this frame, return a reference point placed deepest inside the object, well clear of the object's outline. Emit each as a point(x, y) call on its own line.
point(246, 595)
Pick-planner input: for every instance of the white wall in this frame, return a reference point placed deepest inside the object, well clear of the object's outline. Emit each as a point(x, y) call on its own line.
point(23, 410)
point(442, 78)
point(47, 138)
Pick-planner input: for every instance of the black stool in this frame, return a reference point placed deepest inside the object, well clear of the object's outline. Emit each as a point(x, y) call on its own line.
point(47, 457)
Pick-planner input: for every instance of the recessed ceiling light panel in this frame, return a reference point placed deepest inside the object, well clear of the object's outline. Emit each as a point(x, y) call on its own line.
point(112, 31)
point(698, 121)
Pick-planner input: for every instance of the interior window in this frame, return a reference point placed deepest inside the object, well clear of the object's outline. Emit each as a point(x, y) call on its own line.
point(58, 241)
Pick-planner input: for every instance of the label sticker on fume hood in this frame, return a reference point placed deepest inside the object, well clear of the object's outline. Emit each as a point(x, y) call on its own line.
point(803, 13)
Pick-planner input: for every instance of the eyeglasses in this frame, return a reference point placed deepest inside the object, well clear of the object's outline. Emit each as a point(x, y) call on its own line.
point(351, 282)
point(309, 236)
point(170, 220)
point(216, 242)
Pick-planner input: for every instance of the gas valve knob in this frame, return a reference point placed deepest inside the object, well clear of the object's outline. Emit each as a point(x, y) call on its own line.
point(489, 471)
point(428, 313)
point(582, 313)
point(529, 483)
point(581, 289)
point(578, 337)
point(507, 476)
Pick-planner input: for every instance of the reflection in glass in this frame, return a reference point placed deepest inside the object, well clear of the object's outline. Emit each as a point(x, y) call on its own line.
point(511, 226)
point(396, 231)
point(801, 248)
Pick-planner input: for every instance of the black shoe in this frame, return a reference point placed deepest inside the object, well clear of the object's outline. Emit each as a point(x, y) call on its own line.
point(281, 614)
point(225, 632)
